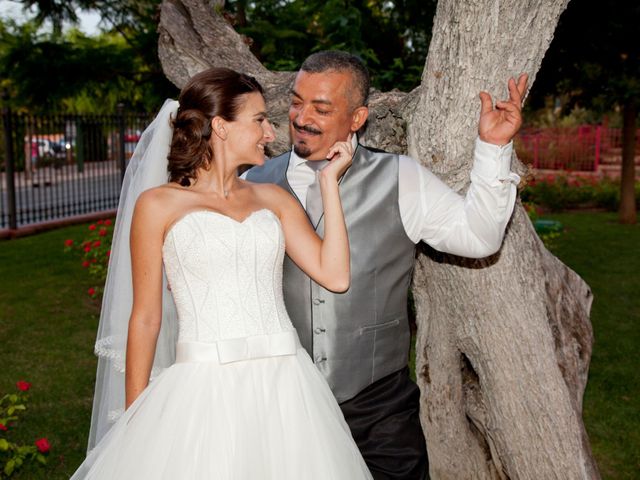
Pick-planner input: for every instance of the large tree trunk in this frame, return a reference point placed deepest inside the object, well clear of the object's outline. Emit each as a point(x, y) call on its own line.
point(503, 343)
point(627, 212)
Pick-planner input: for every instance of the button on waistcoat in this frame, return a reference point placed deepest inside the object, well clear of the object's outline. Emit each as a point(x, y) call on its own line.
point(362, 335)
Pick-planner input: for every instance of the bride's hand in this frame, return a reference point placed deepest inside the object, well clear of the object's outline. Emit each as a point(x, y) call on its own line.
point(340, 157)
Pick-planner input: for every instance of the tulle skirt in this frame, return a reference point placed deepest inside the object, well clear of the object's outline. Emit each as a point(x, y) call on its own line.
point(269, 418)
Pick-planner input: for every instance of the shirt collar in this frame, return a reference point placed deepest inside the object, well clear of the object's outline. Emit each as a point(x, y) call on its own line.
point(295, 160)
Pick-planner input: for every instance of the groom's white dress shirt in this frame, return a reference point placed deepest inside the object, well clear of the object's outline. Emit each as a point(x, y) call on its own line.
point(471, 225)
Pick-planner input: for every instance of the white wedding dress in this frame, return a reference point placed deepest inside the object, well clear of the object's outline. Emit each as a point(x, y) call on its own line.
point(243, 400)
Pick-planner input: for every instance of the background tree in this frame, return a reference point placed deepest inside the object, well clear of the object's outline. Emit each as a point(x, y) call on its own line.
point(391, 37)
point(93, 74)
point(56, 11)
point(594, 60)
point(503, 343)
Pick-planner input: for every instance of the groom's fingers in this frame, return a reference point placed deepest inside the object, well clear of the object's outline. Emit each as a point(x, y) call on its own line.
point(486, 105)
point(522, 84)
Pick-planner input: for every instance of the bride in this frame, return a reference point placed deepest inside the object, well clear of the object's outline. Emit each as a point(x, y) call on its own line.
point(242, 399)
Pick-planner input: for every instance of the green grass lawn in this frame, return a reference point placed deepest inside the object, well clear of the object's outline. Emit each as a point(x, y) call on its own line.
point(607, 255)
point(47, 331)
point(48, 324)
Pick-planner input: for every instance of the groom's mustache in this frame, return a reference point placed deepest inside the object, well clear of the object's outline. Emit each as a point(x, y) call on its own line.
point(305, 128)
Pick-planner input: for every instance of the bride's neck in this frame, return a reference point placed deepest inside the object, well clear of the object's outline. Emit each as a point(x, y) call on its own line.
point(217, 180)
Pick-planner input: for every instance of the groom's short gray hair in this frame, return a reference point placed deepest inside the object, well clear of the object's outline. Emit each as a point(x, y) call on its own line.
point(339, 61)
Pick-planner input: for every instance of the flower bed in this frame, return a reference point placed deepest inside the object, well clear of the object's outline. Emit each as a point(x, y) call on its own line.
point(14, 456)
point(566, 191)
point(94, 251)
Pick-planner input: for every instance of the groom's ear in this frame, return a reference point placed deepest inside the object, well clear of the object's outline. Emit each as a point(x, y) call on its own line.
point(358, 117)
point(218, 128)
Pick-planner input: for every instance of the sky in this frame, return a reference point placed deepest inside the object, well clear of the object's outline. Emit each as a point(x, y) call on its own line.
point(13, 9)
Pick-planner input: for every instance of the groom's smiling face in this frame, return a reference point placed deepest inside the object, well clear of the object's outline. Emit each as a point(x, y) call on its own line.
point(321, 112)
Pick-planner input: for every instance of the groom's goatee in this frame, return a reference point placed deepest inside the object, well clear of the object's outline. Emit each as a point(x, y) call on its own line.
point(302, 150)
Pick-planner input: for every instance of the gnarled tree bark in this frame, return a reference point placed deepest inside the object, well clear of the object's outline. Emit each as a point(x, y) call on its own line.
point(504, 343)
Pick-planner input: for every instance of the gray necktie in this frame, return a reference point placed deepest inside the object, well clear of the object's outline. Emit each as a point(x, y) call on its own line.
point(313, 204)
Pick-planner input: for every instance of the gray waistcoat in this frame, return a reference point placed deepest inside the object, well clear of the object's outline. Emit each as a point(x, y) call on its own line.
point(360, 336)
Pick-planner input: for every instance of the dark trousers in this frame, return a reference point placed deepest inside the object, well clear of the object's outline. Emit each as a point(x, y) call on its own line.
point(384, 422)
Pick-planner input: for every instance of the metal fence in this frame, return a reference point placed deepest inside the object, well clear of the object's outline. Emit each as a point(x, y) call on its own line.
point(584, 148)
point(57, 166)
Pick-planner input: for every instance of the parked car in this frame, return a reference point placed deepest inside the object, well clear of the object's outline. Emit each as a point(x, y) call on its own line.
point(42, 148)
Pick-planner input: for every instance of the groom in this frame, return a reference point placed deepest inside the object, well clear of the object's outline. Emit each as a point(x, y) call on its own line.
point(360, 339)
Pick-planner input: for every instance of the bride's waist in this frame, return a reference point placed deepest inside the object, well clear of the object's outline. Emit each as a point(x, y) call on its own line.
point(238, 349)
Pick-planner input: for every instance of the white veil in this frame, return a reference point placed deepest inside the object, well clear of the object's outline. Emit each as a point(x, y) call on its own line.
point(147, 168)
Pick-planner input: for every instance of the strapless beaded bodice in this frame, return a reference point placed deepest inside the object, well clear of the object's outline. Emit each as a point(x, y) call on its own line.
point(226, 276)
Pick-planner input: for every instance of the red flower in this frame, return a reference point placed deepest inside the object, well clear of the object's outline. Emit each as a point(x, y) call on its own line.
point(100, 222)
point(43, 445)
point(107, 222)
point(94, 260)
point(91, 291)
point(96, 243)
point(85, 264)
point(3, 427)
point(87, 249)
point(108, 253)
point(92, 227)
point(102, 232)
point(68, 242)
point(23, 386)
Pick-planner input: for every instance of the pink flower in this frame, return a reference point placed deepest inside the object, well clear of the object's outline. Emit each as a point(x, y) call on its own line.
point(43, 445)
point(23, 386)
point(68, 242)
point(91, 291)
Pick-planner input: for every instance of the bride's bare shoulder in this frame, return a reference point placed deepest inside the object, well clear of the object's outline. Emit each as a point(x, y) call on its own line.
point(161, 201)
point(167, 193)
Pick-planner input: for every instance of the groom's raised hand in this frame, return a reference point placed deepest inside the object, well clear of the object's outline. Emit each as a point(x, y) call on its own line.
point(500, 124)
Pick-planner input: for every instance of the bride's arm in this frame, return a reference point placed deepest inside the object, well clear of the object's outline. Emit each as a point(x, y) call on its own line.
point(147, 232)
point(325, 260)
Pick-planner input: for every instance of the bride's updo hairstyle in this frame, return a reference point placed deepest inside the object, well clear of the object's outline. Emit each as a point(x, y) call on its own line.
point(214, 92)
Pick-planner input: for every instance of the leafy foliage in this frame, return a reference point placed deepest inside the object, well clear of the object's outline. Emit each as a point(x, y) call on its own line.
point(392, 38)
point(13, 456)
point(92, 74)
point(594, 58)
point(558, 193)
point(94, 251)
